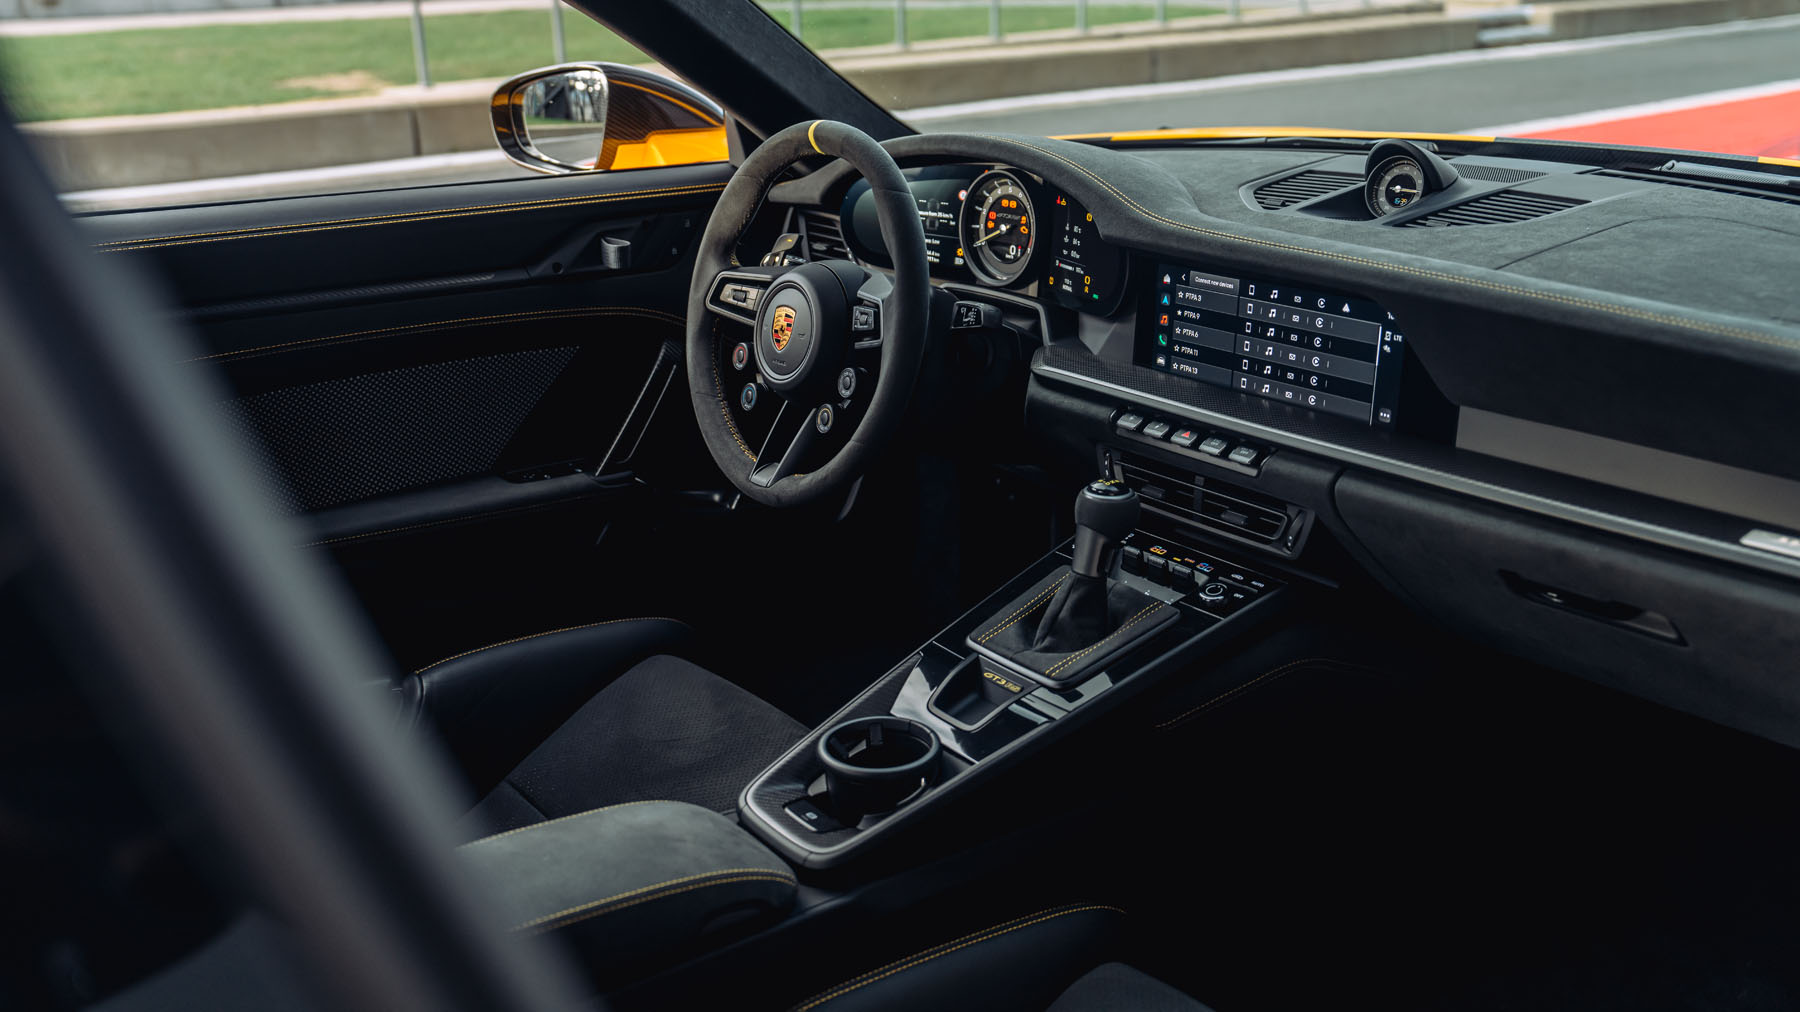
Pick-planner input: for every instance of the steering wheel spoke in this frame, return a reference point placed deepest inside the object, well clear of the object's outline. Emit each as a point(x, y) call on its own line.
point(792, 435)
point(737, 294)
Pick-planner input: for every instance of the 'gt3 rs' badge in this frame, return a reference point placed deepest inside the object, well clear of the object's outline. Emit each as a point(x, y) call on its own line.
point(783, 330)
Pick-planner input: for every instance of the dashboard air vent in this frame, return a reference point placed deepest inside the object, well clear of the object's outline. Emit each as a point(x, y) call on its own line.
point(1495, 173)
point(1503, 208)
point(1702, 184)
point(1205, 502)
point(1303, 186)
point(824, 236)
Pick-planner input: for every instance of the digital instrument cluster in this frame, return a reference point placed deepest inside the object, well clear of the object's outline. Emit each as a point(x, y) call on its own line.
point(1003, 229)
point(1315, 349)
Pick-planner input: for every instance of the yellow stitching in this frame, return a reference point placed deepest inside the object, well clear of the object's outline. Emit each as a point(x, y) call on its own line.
point(937, 951)
point(535, 314)
point(740, 875)
point(1247, 686)
point(809, 135)
point(1026, 610)
point(1066, 661)
point(564, 818)
point(549, 201)
point(1604, 307)
point(725, 405)
point(548, 632)
point(398, 217)
point(427, 523)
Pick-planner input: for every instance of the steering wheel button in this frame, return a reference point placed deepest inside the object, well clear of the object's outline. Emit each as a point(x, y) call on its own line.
point(846, 384)
point(748, 397)
point(740, 356)
point(824, 419)
point(862, 318)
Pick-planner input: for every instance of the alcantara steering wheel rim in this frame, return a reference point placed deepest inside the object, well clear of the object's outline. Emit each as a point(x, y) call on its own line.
point(807, 384)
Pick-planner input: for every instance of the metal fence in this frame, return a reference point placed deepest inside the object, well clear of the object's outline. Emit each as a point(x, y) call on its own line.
point(1084, 16)
point(895, 23)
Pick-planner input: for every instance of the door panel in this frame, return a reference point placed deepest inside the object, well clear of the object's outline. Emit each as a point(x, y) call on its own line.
point(439, 377)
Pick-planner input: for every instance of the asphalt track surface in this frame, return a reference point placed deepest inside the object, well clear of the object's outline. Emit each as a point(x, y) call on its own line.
point(1514, 87)
point(1732, 87)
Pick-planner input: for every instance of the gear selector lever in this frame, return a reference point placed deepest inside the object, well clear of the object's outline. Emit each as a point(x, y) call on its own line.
point(1105, 511)
point(1076, 620)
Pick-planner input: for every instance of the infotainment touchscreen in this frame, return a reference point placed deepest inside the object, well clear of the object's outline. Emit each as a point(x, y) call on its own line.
point(1266, 337)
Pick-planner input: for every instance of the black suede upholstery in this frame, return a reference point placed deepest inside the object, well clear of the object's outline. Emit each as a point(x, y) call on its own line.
point(1117, 986)
point(1069, 625)
point(1022, 964)
point(646, 876)
point(493, 705)
point(666, 729)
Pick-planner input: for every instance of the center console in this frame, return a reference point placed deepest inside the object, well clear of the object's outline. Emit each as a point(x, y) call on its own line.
point(1127, 601)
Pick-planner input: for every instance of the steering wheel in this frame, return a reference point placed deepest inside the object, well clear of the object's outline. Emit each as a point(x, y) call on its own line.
point(796, 406)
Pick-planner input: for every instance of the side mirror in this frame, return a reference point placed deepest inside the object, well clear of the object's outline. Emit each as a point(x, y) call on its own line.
point(584, 117)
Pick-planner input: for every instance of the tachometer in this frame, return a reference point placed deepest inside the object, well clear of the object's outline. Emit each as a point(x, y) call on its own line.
point(998, 228)
point(1394, 186)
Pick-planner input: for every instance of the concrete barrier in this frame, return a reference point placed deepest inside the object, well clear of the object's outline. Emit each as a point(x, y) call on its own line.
point(405, 122)
point(1580, 19)
point(108, 151)
point(939, 78)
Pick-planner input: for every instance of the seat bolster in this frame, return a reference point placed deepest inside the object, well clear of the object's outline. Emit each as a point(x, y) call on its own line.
point(492, 705)
point(637, 878)
point(1022, 964)
point(1117, 986)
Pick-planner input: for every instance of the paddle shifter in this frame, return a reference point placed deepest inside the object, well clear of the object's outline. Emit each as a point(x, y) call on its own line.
point(1105, 511)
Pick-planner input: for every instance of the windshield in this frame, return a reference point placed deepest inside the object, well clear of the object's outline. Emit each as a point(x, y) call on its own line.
point(133, 105)
point(1104, 66)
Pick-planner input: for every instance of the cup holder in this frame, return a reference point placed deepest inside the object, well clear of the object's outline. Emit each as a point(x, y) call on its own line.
point(877, 764)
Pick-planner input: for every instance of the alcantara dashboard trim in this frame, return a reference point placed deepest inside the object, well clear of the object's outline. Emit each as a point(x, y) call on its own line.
point(1668, 537)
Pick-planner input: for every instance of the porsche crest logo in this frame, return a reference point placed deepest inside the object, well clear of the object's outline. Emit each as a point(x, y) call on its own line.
point(783, 330)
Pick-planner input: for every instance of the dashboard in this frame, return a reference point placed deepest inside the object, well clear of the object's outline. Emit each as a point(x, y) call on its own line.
point(1539, 390)
point(1338, 354)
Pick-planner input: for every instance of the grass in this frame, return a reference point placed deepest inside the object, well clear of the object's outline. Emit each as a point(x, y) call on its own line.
point(843, 28)
point(208, 67)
